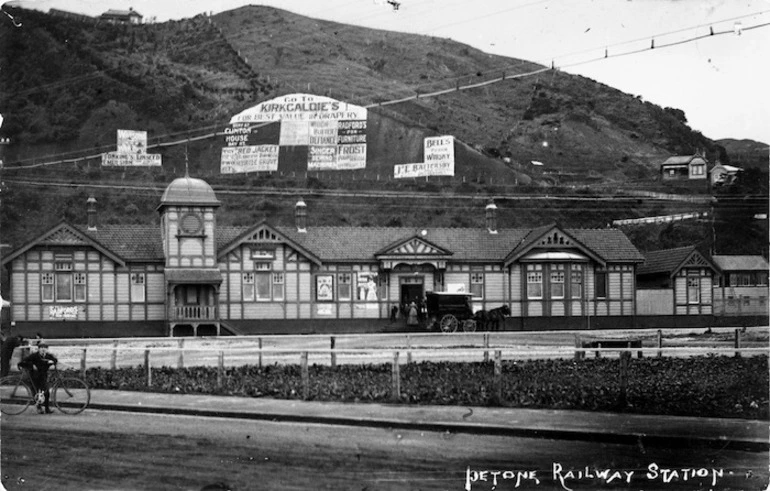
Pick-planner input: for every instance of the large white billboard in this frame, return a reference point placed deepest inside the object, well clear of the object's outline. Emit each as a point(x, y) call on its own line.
point(439, 156)
point(326, 133)
point(132, 151)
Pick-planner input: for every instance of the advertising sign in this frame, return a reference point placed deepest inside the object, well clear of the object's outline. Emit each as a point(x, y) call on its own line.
point(253, 158)
point(324, 285)
point(439, 154)
point(62, 312)
point(331, 133)
point(132, 151)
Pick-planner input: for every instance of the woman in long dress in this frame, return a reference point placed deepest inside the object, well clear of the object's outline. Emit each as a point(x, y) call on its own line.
point(412, 320)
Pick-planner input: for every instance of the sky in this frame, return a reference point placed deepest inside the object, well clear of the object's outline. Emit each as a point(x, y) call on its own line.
point(720, 82)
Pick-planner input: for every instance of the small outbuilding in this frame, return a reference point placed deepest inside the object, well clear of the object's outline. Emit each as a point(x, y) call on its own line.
point(684, 167)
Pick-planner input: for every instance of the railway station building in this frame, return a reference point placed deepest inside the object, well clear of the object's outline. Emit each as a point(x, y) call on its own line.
point(188, 276)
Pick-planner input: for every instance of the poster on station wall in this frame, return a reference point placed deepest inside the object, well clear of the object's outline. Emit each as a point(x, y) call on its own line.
point(131, 151)
point(332, 132)
point(439, 155)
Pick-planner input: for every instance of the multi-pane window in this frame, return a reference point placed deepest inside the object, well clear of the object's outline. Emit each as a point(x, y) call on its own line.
point(63, 285)
point(80, 287)
point(576, 284)
point(534, 281)
point(248, 286)
point(693, 289)
point(557, 281)
point(277, 286)
point(47, 282)
point(477, 285)
point(137, 287)
point(343, 285)
point(601, 284)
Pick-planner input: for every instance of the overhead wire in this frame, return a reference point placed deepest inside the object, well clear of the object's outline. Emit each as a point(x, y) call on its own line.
point(436, 93)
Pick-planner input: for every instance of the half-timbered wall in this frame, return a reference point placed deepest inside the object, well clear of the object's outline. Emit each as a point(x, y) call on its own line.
point(693, 293)
point(81, 284)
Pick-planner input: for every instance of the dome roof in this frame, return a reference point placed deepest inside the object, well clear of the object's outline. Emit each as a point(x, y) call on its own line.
point(189, 191)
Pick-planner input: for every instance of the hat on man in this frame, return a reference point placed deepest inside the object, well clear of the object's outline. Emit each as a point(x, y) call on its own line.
point(42, 345)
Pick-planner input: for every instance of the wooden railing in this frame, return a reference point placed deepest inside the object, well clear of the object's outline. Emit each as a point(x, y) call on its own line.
point(195, 312)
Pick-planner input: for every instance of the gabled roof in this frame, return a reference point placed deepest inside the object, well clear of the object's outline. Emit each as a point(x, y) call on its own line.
point(671, 261)
point(602, 245)
point(415, 245)
point(740, 263)
point(65, 234)
point(681, 159)
point(121, 13)
point(238, 235)
point(135, 243)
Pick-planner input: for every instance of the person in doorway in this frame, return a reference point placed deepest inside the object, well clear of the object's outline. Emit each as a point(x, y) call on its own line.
point(412, 319)
point(38, 364)
point(6, 353)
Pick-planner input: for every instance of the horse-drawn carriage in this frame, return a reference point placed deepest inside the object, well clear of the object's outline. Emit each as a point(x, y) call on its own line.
point(449, 311)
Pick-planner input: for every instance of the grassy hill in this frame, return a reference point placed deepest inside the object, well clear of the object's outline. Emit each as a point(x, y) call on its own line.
point(70, 84)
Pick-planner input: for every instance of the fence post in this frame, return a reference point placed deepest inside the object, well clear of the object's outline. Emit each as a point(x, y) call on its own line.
point(333, 354)
point(625, 357)
point(737, 343)
point(305, 376)
point(260, 352)
point(395, 394)
point(83, 363)
point(147, 367)
point(220, 369)
point(408, 349)
point(486, 345)
point(498, 380)
point(660, 343)
point(578, 344)
point(180, 361)
point(114, 357)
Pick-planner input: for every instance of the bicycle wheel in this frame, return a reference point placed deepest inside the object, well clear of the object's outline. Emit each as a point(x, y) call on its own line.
point(71, 395)
point(15, 395)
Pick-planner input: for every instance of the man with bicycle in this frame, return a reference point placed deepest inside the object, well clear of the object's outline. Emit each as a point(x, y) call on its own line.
point(37, 364)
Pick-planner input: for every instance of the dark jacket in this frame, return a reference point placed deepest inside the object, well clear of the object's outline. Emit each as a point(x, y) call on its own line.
point(38, 362)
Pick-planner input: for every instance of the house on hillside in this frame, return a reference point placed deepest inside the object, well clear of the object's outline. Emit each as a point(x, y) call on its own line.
point(675, 282)
point(724, 175)
point(684, 168)
point(190, 276)
point(129, 16)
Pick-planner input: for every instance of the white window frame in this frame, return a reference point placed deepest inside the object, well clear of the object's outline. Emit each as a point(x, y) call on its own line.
point(557, 279)
point(477, 285)
point(344, 286)
point(138, 287)
point(79, 286)
point(534, 279)
point(47, 287)
point(693, 289)
point(278, 282)
point(247, 280)
point(576, 287)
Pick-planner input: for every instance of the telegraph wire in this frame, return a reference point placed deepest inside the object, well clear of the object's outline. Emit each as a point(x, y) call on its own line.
point(437, 93)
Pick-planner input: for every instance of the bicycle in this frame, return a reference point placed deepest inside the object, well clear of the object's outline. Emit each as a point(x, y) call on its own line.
point(70, 395)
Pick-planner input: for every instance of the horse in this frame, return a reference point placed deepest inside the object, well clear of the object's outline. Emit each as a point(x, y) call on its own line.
point(491, 319)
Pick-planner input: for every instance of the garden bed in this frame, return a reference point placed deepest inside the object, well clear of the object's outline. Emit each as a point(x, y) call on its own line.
point(710, 386)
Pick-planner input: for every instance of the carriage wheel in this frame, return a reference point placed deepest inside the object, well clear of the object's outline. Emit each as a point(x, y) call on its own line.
point(448, 323)
point(469, 325)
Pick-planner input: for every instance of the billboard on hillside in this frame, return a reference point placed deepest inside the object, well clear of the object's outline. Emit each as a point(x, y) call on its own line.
point(326, 134)
point(439, 156)
point(132, 151)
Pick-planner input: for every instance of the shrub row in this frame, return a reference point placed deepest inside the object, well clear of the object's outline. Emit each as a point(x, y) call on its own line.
point(711, 386)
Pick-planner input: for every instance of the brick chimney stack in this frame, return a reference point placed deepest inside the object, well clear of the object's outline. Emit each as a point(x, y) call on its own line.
point(300, 216)
point(91, 210)
point(491, 216)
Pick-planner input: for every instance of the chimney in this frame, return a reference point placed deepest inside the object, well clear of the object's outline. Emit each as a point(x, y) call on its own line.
point(491, 214)
point(300, 215)
point(91, 210)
